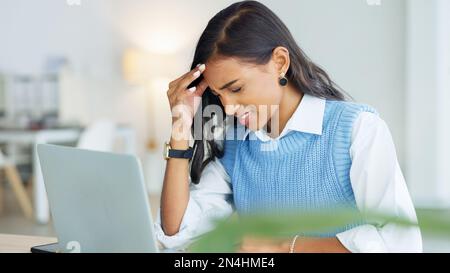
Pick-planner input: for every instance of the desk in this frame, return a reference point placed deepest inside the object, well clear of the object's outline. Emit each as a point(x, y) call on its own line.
point(21, 243)
point(41, 207)
point(10, 243)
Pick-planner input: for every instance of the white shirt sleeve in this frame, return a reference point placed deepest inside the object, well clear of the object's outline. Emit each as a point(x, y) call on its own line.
point(209, 200)
point(378, 185)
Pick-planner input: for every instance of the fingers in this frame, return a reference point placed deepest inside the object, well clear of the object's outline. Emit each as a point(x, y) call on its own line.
point(183, 82)
point(187, 73)
point(196, 91)
point(199, 89)
point(192, 76)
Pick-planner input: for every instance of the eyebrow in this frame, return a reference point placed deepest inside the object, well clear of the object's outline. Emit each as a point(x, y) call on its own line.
point(228, 84)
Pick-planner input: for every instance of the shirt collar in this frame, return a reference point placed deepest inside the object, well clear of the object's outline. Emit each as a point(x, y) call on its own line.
point(307, 118)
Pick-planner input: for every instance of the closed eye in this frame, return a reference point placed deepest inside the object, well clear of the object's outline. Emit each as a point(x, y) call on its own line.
point(235, 90)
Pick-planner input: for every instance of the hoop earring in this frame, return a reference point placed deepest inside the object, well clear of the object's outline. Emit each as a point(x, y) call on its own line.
point(283, 81)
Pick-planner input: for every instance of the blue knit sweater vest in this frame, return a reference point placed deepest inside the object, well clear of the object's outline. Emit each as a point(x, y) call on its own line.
point(301, 171)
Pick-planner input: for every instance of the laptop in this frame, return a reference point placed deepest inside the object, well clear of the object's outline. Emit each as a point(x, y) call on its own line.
point(98, 201)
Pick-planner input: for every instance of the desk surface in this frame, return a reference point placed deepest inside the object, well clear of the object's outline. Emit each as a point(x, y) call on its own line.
point(21, 243)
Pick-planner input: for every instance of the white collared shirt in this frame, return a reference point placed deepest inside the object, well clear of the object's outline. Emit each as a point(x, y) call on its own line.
point(376, 178)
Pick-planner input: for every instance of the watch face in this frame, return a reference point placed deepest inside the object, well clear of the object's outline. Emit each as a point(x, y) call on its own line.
point(166, 151)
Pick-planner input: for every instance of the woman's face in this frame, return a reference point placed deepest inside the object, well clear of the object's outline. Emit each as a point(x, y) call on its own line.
point(249, 92)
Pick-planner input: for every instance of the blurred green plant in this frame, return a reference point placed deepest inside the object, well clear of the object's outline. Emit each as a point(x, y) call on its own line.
point(225, 238)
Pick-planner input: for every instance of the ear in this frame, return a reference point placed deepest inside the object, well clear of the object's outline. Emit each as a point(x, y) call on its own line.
point(280, 57)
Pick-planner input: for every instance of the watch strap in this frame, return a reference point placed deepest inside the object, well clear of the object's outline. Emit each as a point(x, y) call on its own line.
point(181, 153)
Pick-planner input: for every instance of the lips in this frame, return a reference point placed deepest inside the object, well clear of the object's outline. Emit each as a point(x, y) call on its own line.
point(243, 119)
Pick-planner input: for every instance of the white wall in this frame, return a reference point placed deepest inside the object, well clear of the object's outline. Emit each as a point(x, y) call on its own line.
point(428, 102)
point(33, 30)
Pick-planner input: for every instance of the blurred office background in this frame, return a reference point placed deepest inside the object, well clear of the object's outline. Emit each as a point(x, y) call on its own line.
point(96, 71)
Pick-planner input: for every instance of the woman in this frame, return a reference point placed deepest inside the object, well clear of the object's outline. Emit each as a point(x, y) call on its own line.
point(299, 143)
